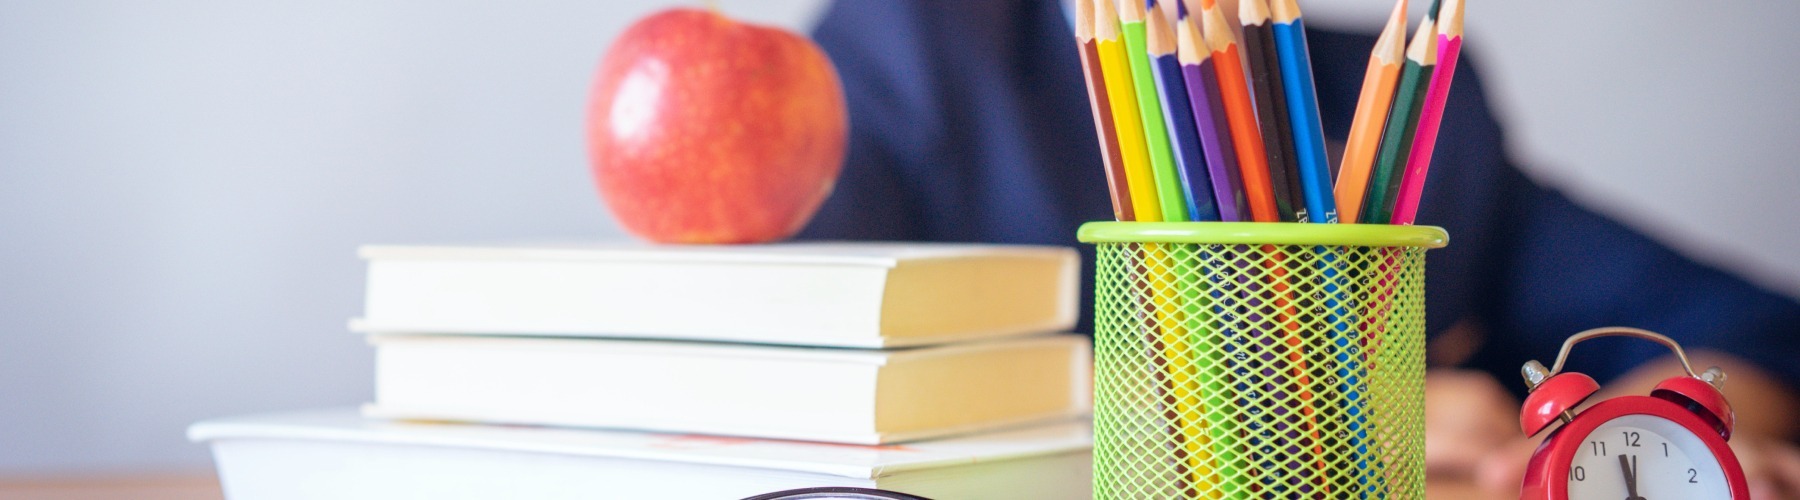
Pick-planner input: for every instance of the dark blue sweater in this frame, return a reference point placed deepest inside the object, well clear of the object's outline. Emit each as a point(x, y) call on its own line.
point(970, 122)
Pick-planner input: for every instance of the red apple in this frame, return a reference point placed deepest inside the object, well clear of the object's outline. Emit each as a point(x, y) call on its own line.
point(707, 130)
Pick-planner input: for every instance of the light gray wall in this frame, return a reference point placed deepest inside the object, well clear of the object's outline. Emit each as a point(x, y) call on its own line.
point(183, 183)
point(1679, 117)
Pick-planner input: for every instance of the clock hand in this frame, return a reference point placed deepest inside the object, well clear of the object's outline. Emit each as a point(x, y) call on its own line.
point(1629, 469)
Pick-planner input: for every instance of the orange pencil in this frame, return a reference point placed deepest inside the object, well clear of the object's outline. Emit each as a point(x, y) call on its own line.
point(1371, 115)
point(1253, 162)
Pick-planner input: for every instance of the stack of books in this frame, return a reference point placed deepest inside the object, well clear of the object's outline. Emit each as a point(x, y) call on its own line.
point(696, 372)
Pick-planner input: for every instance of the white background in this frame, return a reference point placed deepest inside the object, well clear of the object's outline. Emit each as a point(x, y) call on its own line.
point(183, 183)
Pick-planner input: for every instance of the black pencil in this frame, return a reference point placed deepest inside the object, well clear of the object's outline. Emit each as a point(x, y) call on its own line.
point(1271, 109)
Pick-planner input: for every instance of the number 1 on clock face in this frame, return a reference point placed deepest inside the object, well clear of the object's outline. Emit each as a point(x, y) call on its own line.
point(1639, 457)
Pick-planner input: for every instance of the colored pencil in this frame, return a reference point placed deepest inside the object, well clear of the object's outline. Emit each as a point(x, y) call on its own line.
point(1402, 125)
point(1163, 326)
point(1371, 114)
point(1275, 476)
point(1150, 113)
point(1121, 93)
point(1110, 157)
point(1193, 374)
point(1198, 71)
point(1265, 86)
point(1253, 167)
point(1178, 115)
point(1303, 111)
point(1418, 163)
point(1338, 402)
point(1223, 434)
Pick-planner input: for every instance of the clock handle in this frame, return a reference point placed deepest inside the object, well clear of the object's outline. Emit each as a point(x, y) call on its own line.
point(1534, 372)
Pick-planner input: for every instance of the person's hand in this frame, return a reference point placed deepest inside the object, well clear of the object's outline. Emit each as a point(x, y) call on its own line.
point(1771, 465)
point(1469, 420)
point(1472, 434)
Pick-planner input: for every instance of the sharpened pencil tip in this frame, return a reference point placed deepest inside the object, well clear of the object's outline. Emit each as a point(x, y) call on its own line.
point(1084, 20)
point(1423, 47)
point(1106, 20)
point(1130, 11)
point(1159, 38)
point(1218, 34)
point(1452, 23)
point(1284, 11)
point(1253, 12)
point(1390, 46)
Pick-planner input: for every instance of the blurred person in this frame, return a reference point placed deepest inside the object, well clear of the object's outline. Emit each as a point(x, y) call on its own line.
point(970, 122)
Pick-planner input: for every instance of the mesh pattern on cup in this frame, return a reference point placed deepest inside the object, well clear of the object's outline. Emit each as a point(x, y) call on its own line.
point(1259, 371)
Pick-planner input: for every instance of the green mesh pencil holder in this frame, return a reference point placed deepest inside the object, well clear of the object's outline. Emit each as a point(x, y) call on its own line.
point(1248, 360)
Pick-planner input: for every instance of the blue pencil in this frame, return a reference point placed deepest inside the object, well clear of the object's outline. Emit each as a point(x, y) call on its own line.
point(1184, 136)
point(1303, 112)
point(1345, 402)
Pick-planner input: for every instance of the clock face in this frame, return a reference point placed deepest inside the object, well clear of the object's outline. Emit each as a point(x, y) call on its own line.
point(1639, 457)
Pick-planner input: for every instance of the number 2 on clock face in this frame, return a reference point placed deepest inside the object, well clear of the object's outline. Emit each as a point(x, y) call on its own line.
point(1640, 457)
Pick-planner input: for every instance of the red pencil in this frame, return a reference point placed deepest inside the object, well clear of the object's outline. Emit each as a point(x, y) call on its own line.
point(1110, 156)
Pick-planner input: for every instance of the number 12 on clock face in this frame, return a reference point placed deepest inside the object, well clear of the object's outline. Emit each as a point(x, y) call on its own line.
point(1671, 444)
point(1640, 457)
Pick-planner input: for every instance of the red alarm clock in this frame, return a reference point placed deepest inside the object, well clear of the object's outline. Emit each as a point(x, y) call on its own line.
point(1668, 445)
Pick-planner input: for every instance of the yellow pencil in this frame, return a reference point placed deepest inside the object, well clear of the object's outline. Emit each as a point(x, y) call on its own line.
point(1145, 203)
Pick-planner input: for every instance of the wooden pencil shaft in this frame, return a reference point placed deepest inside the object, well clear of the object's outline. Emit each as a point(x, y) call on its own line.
point(1396, 143)
point(1215, 138)
point(1122, 94)
point(1418, 163)
point(1118, 187)
point(1303, 113)
point(1372, 106)
point(1211, 122)
point(1184, 138)
point(1431, 115)
point(1150, 114)
point(1365, 136)
point(1403, 119)
point(1278, 136)
point(1253, 167)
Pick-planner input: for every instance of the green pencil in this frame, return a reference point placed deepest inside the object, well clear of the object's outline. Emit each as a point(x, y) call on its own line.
point(1162, 158)
point(1402, 125)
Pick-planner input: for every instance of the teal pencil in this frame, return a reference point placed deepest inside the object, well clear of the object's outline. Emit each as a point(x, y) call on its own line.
point(1402, 125)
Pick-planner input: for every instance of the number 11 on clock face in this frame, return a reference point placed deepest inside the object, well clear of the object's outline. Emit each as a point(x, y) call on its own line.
point(1641, 457)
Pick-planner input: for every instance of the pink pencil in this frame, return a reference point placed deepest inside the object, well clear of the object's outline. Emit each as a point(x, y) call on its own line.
point(1418, 162)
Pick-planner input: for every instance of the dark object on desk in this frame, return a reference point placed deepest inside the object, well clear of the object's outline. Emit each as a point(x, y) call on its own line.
point(969, 122)
point(836, 493)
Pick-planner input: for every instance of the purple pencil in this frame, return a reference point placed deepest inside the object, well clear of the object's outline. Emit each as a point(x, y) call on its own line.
point(1209, 114)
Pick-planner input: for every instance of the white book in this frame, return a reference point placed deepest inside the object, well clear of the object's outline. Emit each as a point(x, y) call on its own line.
point(826, 294)
point(336, 455)
point(838, 395)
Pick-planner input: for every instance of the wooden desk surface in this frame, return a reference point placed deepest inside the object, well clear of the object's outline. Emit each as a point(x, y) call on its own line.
point(168, 486)
point(202, 486)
